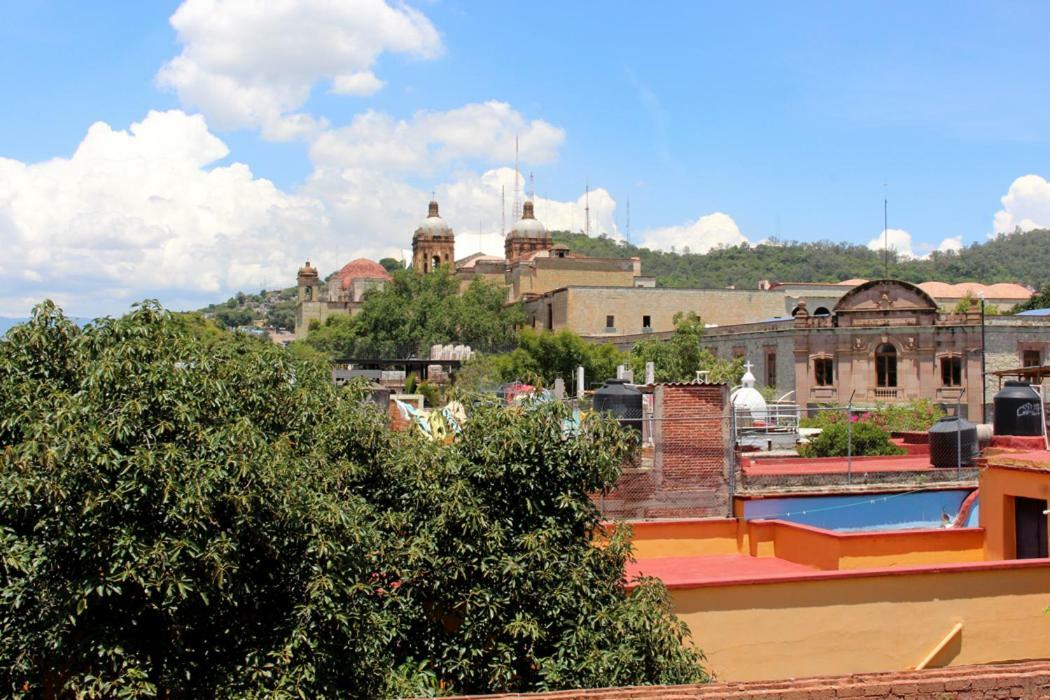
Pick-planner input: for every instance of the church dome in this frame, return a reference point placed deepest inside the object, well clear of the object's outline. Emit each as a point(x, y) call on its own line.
point(362, 268)
point(433, 225)
point(747, 397)
point(529, 226)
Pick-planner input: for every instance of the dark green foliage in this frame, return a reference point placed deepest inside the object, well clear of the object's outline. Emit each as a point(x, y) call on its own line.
point(867, 439)
point(1019, 257)
point(417, 311)
point(1040, 300)
point(679, 358)
point(391, 264)
point(539, 358)
point(190, 513)
point(918, 414)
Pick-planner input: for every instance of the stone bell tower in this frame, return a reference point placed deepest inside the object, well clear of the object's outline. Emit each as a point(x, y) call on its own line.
point(433, 243)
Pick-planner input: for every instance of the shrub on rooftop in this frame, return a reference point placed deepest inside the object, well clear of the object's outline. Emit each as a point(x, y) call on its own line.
point(191, 513)
point(867, 439)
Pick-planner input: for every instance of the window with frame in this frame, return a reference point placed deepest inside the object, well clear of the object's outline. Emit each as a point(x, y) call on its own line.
point(823, 371)
point(610, 322)
point(886, 365)
point(771, 369)
point(647, 321)
point(1031, 358)
point(951, 371)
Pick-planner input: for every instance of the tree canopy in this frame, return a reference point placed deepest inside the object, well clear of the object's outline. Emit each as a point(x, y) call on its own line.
point(679, 358)
point(416, 311)
point(191, 513)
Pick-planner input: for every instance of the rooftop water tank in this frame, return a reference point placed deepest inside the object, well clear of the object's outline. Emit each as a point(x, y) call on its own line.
point(1017, 410)
point(622, 400)
point(953, 442)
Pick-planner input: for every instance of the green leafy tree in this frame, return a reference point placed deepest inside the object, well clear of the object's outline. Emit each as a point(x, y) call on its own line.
point(1039, 300)
point(680, 357)
point(416, 311)
point(195, 515)
point(541, 357)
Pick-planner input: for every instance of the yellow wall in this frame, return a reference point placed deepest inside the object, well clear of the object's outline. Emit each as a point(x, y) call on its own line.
point(685, 538)
point(998, 487)
point(820, 549)
point(865, 623)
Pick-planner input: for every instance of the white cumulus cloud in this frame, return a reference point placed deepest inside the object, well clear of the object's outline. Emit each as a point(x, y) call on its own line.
point(1026, 205)
point(431, 140)
point(144, 212)
point(253, 63)
point(709, 231)
point(895, 239)
point(901, 241)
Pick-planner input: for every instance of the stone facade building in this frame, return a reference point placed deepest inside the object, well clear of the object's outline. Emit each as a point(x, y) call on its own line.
point(342, 295)
point(885, 341)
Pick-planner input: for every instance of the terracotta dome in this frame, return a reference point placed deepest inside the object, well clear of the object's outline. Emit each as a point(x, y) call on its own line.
point(362, 268)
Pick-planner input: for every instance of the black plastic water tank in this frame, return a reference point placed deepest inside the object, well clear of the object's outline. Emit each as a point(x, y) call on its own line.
point(1017, 410)
point(951, 437)
point(622, 400)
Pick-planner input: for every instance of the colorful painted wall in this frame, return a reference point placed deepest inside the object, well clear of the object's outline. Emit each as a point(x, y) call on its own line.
point(851, 622)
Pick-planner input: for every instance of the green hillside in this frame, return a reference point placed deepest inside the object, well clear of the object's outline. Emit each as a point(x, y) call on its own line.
point(1020, 257)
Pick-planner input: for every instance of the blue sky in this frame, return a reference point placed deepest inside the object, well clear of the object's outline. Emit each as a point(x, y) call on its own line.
point(721, 122)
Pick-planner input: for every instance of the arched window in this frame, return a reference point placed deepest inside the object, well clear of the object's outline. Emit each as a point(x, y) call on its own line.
point(886, 365)
point(436, 262)
point(822, 311)
point(308, 293)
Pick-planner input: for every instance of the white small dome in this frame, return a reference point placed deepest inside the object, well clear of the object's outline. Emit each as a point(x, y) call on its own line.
point(747, 397)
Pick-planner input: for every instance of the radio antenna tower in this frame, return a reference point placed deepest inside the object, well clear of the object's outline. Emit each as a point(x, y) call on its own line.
point(628, 219)
point(587, 208)
point(885, 235)
point(516, 211)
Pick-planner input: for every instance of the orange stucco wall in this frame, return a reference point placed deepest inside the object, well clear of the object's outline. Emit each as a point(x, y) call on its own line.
point(820, 549)
point(999, 485)
point(857, 622)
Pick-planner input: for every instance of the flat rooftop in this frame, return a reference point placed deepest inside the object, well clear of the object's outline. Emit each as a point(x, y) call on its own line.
point(795, 466)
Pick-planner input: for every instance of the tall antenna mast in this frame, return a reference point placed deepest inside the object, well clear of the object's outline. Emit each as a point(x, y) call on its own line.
point(628, 219)
point(587, 208)
point(885, 235)
point(516, 211)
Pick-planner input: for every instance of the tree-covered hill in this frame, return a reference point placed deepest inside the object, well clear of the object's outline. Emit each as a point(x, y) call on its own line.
point(1020, 257)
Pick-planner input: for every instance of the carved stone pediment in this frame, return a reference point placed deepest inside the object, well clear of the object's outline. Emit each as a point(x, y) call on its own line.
point(880, 297)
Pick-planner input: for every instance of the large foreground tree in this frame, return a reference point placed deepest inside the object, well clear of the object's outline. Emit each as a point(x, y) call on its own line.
point(192, 514)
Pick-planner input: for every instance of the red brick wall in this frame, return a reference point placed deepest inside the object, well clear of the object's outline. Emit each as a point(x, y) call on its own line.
point(688, 474)
point(1022, 680)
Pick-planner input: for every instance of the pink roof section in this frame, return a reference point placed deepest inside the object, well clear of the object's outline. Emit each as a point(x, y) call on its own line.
point(1001, 290)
